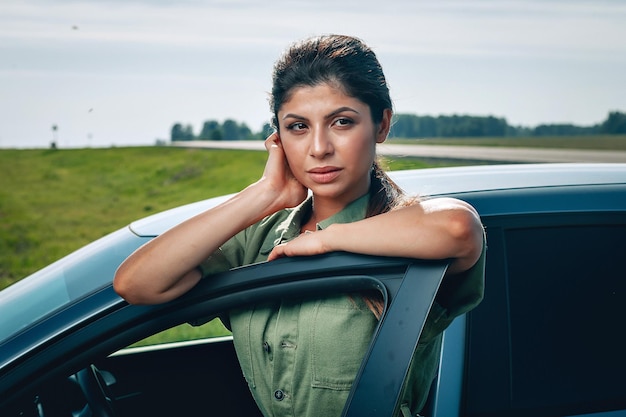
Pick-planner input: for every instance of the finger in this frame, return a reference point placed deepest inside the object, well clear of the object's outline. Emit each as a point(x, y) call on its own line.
point(272, 140)
point(276, 253)
point(274, 147)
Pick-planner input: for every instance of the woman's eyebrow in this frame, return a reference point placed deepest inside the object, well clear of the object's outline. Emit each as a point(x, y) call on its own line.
point(329, 115)
point(341, 110)
point(293, 116)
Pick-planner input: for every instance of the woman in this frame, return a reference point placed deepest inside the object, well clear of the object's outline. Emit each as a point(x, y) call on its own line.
point(331, 106)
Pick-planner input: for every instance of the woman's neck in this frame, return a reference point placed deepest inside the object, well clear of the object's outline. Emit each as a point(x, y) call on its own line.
point(321, 209)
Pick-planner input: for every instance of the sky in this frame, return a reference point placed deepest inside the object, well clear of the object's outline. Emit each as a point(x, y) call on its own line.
point(122, 72)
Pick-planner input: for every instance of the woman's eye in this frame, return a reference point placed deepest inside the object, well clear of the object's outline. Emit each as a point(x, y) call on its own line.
point(343, 121)
point(296, 126)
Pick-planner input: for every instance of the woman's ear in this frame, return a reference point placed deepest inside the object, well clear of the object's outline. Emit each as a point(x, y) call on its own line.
point(383, 127)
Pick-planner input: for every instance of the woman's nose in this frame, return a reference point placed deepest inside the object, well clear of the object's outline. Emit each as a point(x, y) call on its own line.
point(321, 144)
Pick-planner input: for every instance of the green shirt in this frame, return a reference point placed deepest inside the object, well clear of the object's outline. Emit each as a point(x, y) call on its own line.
point(300, 356)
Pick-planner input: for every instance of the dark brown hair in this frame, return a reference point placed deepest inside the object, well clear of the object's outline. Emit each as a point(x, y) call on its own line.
point(349, 64)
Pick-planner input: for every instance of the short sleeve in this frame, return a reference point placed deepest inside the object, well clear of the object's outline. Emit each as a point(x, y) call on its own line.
point(228, 256)
point(250, 245)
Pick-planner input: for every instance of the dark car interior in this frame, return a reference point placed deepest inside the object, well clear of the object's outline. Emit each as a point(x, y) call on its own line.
point(202, 378)
point(547, 339)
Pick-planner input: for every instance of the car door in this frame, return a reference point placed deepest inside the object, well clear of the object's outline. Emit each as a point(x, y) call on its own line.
point(203, 377)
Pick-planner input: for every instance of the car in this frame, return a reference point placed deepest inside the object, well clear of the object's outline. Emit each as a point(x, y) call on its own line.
point(547, 340)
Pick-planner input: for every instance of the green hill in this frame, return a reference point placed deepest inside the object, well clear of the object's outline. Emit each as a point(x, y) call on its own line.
point(52, 202)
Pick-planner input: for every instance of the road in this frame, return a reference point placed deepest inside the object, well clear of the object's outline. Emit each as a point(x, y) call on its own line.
point(474, 153)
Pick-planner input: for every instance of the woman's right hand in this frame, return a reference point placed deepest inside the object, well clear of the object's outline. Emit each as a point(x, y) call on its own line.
point(282, 183)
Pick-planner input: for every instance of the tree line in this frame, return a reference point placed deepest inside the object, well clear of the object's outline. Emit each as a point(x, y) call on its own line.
point(414, 126)
point(214, 130)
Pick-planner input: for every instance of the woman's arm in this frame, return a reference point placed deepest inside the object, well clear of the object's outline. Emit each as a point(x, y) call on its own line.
point(166, 267)
point(439, 228)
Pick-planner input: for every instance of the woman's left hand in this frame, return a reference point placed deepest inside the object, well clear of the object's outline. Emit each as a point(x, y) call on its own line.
point(307, 244)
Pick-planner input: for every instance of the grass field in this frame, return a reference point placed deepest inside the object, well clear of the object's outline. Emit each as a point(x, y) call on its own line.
point(55, 201)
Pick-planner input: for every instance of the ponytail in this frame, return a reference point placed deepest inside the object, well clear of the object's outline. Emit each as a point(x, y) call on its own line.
point(385, 196)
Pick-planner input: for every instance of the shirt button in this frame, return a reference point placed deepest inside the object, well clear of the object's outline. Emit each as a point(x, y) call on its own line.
point(279, 395)
point(266, 347)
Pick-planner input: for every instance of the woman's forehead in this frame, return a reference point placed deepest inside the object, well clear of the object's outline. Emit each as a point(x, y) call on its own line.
point(324, 94)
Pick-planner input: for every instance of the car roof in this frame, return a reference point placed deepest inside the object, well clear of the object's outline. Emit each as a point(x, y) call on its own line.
point(432, 182)
point(456, 180)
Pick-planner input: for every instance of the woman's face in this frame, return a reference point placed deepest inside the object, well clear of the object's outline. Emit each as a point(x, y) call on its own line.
point(329, 139)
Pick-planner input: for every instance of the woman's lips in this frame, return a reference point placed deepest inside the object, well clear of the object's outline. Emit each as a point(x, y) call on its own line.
point(324, 175)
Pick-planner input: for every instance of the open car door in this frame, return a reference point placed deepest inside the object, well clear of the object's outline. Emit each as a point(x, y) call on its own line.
point(88, 331)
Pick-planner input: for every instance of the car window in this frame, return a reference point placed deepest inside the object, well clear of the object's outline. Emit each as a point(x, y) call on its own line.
point(186, 332)
point(63, 282)
point(548, 337)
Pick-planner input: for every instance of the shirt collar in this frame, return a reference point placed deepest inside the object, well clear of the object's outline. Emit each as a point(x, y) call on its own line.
point(289, 228)
point(354, 211)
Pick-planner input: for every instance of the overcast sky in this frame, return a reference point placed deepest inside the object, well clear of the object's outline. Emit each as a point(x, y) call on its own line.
point(122, 72)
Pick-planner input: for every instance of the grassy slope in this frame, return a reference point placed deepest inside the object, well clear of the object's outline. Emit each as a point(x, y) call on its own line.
point(53, 202)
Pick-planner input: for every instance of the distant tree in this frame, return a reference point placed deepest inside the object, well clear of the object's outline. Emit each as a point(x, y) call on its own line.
point(210, 130)
point(188, 132)
point(230, 130)
point(180, 132)
point(614, 124)
point(427, 126)
point(266, 130)
point(177, 132)
point(244, 132)
point(519, 131)
point(216, 134)
point(563, 130)
point(494, 126)
point(403, 126)
point(412, 126)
